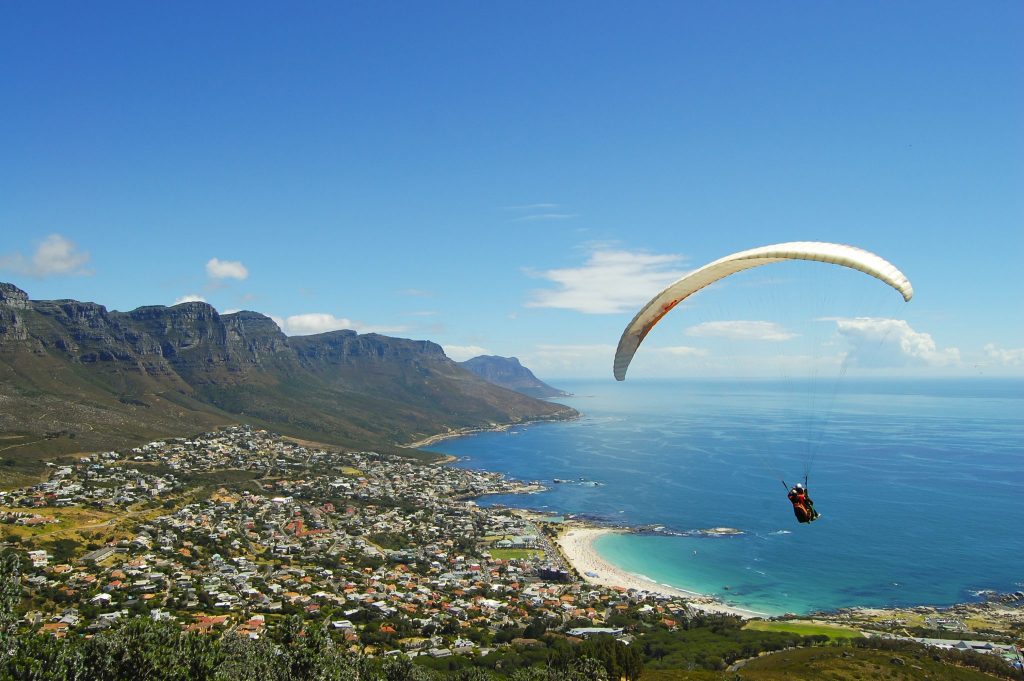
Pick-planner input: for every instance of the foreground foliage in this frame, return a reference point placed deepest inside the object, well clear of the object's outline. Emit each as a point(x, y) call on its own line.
point(159, 651)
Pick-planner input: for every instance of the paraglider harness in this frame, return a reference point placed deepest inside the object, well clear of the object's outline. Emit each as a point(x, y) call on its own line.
point(803, 507)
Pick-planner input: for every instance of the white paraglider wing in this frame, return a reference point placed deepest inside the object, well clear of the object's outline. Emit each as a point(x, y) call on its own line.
point(836, 254)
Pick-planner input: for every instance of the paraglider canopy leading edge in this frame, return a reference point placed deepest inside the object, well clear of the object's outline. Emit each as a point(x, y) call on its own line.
point(835, 254)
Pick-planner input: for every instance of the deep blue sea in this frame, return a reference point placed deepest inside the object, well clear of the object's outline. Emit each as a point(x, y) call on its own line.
point(920, 485)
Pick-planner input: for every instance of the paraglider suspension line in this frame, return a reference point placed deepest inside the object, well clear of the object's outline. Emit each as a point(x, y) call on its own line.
point(787, 486)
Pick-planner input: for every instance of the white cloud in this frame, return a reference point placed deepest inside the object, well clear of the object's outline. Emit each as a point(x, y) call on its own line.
point(1010, 357)
point(226, 269)
point(683, 351)
point(55, 256)
point(879, 342)
point(321, 322)
point(190, 298)
point(460, 353)
point(315, 322)
point(416, 293)
point(742, 330)
point(610, 282)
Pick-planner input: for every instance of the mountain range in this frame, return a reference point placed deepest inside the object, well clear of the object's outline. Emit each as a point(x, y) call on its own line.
point(75, 376)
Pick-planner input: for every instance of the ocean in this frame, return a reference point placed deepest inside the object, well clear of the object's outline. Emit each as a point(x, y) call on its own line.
point(920, 485)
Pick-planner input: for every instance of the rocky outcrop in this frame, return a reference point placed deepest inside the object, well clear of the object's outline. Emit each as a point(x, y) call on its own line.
point(509, 373)
point(13, 297)
point(12, 326)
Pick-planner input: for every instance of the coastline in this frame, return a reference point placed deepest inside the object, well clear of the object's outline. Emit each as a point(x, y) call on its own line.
point(475, 430)
point(576, 543)
point(872, 616)
point(458, 432)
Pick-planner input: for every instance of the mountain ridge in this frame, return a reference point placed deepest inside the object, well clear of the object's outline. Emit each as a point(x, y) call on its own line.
point(76, 375)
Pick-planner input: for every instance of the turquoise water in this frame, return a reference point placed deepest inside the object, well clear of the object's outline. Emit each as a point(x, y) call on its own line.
point(920, 486)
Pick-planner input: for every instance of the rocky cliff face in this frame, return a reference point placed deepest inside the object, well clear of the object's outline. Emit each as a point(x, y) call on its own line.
point(12, 326)
point(13, 297)
point(253, 335)
point(348, 347)
point(162, 370)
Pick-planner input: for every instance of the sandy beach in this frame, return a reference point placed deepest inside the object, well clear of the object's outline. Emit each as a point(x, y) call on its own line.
point(576, 544)
point(461, 432)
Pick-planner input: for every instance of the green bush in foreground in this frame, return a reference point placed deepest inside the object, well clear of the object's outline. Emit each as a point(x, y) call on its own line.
point(141, 648)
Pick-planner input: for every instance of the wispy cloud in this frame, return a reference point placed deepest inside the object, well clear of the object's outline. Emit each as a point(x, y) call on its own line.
point(743, 330)
point(529, 207)
point(460, 353)
point(1011, 357)
point(611, 281)
point(537, 217)
point(190, 298)
point(226, 269)
point(683, 351)
point(321, 322)
point(880, 342)
point(538, 212)
point(55, 256)
point(416, 293)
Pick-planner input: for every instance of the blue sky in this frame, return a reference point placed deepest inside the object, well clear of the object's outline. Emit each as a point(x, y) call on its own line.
point(519, 178)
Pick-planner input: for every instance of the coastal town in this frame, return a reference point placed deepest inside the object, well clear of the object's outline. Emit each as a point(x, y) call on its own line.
point(233, 531)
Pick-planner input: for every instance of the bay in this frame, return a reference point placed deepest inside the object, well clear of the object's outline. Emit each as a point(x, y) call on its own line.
point(919, 484)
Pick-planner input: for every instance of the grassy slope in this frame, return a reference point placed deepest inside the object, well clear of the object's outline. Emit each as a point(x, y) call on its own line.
point(805, 628)
point(830, 664)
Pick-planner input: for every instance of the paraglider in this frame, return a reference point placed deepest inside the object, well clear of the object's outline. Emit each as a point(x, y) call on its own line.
point(835, 254)
point(803, 507)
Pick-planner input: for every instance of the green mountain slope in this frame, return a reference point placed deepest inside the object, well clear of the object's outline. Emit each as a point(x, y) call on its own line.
point(75, 377)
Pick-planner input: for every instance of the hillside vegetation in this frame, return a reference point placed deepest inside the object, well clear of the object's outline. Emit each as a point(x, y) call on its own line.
point(77, 377)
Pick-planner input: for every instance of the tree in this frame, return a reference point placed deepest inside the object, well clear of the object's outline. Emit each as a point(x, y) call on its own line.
point(10, 598)
point(581, 669)
point(401, 668)
point(255, 659)
point(470, 674)
point(144, 649)
point(536, 628)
